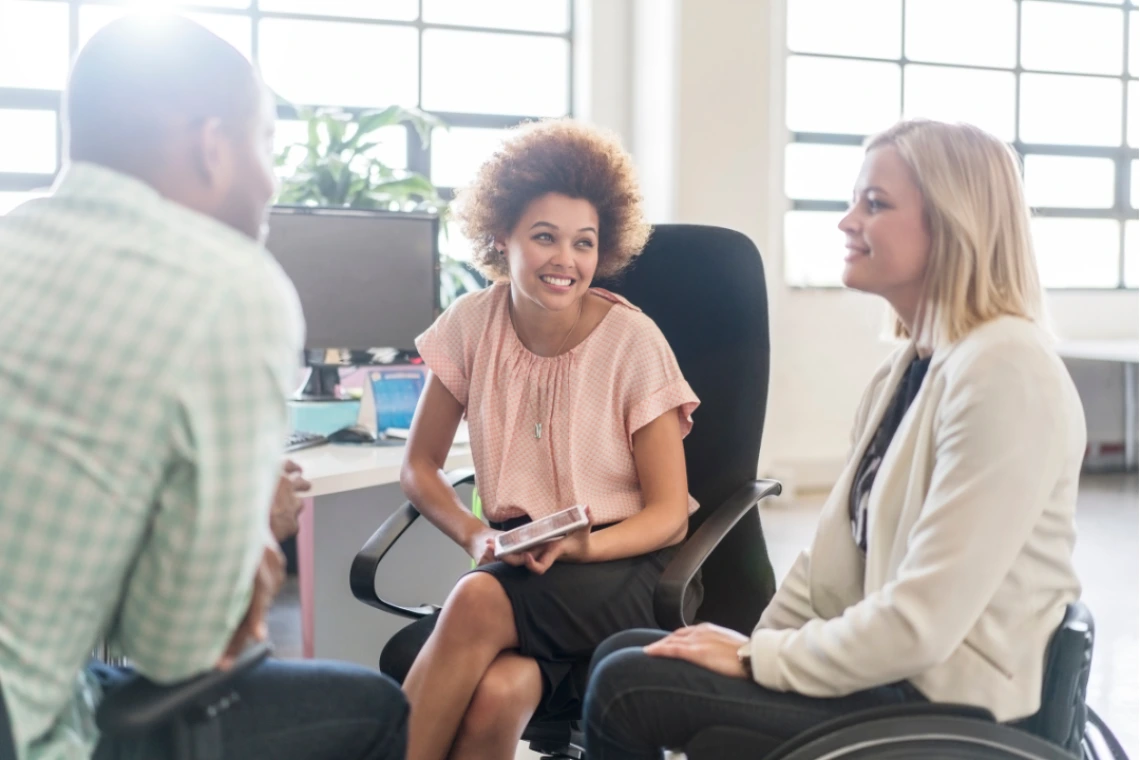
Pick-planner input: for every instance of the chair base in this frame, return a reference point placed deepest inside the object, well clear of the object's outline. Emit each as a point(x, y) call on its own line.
point(556, 740)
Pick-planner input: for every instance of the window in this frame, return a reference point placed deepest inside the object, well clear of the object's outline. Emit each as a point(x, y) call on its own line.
point(1057, 79)
point(481, 66)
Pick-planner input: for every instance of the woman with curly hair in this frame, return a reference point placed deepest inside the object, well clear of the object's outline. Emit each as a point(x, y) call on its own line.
point(572, 396)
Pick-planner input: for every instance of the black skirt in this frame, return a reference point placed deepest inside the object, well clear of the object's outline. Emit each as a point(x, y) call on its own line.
point(563, 615)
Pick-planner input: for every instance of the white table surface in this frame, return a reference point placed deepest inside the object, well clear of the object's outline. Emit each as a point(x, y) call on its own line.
point(335, 468)
point(1123, 350)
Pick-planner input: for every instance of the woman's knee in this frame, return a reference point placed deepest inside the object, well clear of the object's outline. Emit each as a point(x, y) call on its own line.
point(478, 606)
point(632, 639)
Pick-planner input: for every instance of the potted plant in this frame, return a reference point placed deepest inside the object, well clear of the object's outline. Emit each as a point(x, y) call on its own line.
point(337, 165)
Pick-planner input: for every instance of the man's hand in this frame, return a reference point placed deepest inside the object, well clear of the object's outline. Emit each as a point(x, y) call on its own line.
point(707, 645)
point(287, 501)
point(266, 583)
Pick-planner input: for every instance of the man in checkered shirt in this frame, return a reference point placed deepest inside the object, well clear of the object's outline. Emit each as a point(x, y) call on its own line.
point(147, 344)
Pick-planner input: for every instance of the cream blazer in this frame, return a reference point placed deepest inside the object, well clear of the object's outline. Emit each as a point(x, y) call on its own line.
point(970, 536)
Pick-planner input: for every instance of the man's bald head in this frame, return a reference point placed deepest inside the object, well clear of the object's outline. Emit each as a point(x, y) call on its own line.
point(163, 99)
point(145, 75)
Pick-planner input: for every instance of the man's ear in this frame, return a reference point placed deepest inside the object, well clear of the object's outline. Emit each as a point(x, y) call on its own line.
point(209, 152)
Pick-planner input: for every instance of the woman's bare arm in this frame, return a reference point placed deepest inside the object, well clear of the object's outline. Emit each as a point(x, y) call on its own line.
point(422, 476)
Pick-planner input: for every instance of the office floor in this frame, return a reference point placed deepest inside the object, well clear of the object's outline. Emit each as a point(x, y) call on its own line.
point(1108, 561)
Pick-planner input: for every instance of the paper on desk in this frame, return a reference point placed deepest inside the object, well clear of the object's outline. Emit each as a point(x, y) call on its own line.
point(462, 434)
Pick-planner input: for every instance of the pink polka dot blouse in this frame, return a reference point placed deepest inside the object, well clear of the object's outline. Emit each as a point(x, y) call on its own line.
point(549, 433)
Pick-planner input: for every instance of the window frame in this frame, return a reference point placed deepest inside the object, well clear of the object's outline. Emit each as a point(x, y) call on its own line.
point(418, 156)
point(1122, 155)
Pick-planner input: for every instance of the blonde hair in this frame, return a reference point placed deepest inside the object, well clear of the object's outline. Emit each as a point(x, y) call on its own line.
point(981, 263)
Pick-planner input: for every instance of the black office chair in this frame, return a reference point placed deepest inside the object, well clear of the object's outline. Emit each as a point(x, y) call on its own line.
point(185, 712)
point(1062, 729)
point(705, 289)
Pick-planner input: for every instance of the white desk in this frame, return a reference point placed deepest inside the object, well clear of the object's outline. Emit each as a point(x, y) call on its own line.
point(355, 488)
point(338, 468)
point(1126, 353)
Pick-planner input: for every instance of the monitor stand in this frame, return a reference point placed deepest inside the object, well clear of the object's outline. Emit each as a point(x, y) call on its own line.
point(322, 384)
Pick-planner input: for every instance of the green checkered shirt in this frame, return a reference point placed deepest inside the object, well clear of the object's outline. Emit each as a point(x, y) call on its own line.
point(146, 352)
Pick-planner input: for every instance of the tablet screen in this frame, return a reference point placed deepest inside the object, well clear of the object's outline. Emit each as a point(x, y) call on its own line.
point(561, 521)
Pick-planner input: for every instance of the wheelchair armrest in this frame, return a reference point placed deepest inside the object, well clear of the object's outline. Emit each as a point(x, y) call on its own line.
point(362, 575)
point(140, 705)
point(669, 596)
point(901, 710)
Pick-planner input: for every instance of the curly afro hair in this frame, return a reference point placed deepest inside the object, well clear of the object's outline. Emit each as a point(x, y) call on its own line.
point(554, 156)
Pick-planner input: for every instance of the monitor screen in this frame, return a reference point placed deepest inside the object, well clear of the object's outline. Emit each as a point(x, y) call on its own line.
point(366, 279)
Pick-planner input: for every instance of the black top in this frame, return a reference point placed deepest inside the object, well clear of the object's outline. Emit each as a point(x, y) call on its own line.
point(869, 466)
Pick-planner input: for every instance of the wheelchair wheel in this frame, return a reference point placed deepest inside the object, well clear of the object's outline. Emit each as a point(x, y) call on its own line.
point(931, 738)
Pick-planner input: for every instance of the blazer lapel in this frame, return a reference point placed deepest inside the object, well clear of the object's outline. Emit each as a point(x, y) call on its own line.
point(838, 583)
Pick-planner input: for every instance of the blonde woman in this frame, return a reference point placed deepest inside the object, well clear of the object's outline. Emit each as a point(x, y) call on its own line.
point(942, 562)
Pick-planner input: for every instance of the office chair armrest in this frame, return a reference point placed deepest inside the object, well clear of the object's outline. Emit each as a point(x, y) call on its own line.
point(362, 575)
point(669, 596)
point(140, 705)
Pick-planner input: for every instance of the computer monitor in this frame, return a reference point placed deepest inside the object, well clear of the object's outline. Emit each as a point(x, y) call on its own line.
point(368, 282)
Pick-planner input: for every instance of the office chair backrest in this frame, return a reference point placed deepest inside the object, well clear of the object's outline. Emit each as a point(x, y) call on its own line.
point(1068, 661)
point(705, 289)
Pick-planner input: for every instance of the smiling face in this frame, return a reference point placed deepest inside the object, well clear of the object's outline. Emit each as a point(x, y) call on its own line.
point(888, 243)
point(552, 252)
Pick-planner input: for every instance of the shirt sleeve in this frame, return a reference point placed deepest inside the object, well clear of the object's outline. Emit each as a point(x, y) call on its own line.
point(191, 584)
point(448, 347)
point(653, 383)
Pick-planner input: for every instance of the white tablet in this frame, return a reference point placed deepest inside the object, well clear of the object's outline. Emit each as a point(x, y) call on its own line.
point(541, 531)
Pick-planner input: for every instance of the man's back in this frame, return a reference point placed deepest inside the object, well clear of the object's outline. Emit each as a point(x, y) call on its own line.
point(146, 354)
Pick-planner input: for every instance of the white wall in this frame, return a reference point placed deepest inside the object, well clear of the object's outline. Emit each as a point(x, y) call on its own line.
point(719, 161)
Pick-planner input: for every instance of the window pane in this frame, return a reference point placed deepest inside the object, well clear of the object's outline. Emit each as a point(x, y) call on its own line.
point(1133, 114)
point(813, 248)
point(1058, 37)
point(395, 10)
point(457, 153)
point(338, 63)
point(29, 141)
point(1069, 182)
point(452, 243)
point(477, 72)
point(983, 98)
point(1135, 184)
point(1134, 43)
point(1070, 110)
point(9, 200)
point(526, 15)
point(235, 30)
point(852, 97)
point(1132, 253)
point(870, 28)
point(821, 172)
point(1077, 253)
point(980, 32)
point(33, 44)
point(166, 4)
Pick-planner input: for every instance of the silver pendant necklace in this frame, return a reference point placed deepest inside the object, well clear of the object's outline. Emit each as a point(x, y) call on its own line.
point(540, 406)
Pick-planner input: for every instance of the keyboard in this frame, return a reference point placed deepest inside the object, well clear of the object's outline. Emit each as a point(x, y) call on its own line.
point(298, 440)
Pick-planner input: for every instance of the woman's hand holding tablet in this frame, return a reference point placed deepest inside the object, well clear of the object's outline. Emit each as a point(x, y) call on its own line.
point(513, 546)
